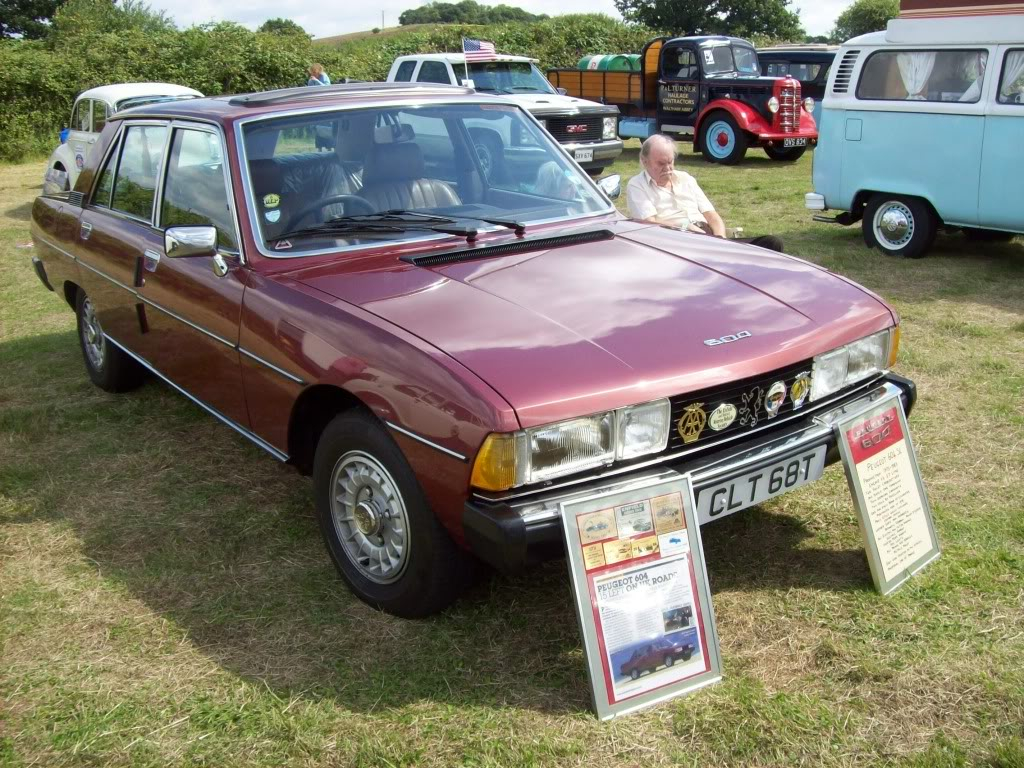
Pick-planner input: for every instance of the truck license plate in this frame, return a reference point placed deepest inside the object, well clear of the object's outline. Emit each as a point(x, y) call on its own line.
point(583, 155)
point(794, 142)
point(759, 485)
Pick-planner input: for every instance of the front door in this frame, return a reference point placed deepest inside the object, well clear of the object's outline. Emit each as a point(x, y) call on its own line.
point(678, 89)
point(82, 135)
point(1001, 193)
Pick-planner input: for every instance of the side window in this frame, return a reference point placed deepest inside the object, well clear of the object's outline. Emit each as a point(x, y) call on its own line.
point(680, 64)
point(135, 185)
point(777, 69)
point(923, 76)
point(80, 120)
point(405, 70)
point(105, 185)
point(434, 72)
point(1011, 85)
point(99, 116)
point(195, 192)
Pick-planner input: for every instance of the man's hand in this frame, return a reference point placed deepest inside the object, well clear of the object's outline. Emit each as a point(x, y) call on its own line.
point(716, 223)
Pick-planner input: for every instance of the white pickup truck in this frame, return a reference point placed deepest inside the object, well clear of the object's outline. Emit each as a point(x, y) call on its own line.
point(588, 131)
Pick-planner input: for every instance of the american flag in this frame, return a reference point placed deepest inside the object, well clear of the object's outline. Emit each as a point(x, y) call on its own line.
point(478, 50)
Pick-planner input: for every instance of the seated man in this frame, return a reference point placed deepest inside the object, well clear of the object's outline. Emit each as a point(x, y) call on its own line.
point(663, 195)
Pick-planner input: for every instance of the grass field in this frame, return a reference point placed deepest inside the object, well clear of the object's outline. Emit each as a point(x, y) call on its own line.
point(165, 598)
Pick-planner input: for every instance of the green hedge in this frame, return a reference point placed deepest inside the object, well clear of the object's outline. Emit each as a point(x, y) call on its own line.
point(39, 80)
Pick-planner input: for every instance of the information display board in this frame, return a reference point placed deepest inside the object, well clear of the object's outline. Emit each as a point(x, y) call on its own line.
point(885, 481)
point(641, 594)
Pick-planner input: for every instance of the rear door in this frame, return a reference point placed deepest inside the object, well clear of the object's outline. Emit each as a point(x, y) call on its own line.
point(678, 89)
point(1001, 193)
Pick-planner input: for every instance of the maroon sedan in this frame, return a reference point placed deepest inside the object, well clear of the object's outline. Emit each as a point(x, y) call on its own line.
point(449, 354)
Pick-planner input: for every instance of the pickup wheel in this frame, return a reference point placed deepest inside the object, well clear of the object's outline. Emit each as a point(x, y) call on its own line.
point(490, 153)
point(634, 673)
point(899, 225)
point(377, 525)
point(785, 154)
point(721, 140)
point(108, 366)
point(669, 661)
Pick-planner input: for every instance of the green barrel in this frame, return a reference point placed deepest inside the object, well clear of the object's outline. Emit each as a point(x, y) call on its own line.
point(613, 62)
point(634, 61)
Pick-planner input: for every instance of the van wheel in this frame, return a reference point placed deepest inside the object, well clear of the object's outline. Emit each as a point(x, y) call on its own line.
point(898, 225)
point(785, 154)
point(721, 140)
point(375, 520)
point(108, 366)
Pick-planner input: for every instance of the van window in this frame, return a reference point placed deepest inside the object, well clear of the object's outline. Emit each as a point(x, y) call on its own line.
point(1011, 85)
point(405, 70)
point(923, 76)
point(433, 72)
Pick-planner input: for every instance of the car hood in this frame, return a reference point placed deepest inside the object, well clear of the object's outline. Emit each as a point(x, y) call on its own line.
point(564, 331)
point(543, 102)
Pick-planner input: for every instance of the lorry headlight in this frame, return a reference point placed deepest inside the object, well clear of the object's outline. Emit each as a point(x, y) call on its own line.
point(853, 362)
point(610, 128)
point(507, 460)
point(809, 104)
point(773, 105)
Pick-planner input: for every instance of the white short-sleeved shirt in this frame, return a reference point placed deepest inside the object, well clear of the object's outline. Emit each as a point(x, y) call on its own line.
point(681, 204)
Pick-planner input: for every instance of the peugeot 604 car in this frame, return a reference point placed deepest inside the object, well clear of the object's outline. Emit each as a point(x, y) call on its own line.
point(447, 354)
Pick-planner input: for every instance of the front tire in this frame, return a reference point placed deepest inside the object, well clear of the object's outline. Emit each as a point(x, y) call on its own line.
point(721, 140)
point(669, 661)
point(375, 520)
point(108, 366)
point(899, 225)
point(785, 154)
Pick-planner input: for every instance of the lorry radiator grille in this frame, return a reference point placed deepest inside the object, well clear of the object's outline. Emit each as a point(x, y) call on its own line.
point(747, 397)
point(789, 108)
point(568, 130)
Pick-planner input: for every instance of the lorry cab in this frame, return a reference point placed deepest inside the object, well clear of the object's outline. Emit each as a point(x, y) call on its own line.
point(810, 64)
point(921, 127)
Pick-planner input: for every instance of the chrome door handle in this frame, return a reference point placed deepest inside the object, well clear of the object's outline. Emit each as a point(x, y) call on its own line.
point(86, 230)
point(151, 260)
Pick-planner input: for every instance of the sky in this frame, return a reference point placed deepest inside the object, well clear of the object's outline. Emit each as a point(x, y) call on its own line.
point(326, 20)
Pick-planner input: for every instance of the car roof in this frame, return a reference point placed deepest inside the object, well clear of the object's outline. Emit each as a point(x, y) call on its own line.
point(226, 109)
point(459, 58)
point(119, 91)
point(709, 39)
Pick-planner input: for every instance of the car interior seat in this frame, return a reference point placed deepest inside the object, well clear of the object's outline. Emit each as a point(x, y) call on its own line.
point(394, 178)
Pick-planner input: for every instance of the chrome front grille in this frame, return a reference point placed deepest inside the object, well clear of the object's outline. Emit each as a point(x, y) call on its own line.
point(789, 108)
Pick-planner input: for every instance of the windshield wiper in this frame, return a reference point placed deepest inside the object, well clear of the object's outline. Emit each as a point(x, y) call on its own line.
point(398, 220)
point(398, 213)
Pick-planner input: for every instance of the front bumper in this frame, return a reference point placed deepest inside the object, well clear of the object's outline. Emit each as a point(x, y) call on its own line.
point(814, 202)
point(605, 151)
point(514, 534)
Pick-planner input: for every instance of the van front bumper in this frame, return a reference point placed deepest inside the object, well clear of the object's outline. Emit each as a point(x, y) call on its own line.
point(515, 533)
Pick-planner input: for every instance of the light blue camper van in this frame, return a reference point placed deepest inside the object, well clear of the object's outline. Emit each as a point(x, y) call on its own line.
point(923, 125)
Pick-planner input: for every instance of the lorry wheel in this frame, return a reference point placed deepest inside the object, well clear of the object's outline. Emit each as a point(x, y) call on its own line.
point(109, 367)
point(375, 520)
point(721, 140)
point(785, 154)
point(899, 225)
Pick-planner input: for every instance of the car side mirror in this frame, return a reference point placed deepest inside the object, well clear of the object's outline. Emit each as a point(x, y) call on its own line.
point(190, 241)
point(561, 91)
point(611, 185)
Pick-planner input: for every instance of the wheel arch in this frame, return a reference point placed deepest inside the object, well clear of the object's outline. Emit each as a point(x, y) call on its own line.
point(71, 293)
point(861, 197)
point(747, 119)
point(313, 410)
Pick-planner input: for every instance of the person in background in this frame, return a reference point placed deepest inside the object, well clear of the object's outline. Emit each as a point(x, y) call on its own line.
point(662, 195)
point(317, 76)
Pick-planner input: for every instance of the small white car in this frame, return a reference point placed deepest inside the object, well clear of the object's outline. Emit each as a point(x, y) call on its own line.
point(89, 115)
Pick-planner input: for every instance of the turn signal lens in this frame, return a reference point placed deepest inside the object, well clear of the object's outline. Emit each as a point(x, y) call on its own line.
point(495, 465)
point(894, 345)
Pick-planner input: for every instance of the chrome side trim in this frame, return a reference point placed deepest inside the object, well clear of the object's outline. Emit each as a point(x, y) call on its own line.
point(57, 248)
point(423, 440)
point(209, 409)
point(181, 319)
point(102, 274)
point(271, 366)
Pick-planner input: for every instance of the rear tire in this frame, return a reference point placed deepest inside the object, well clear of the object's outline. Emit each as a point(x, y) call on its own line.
point(785, 154)
point(108, 366)
point(899, 225)
point(721, 140)
point(375, 520)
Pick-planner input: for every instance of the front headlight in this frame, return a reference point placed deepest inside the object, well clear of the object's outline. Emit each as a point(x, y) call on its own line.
point(543, 124)
point(854, 362)
point(773, 105)
point(611, 128)
point(533, 455)
point(809, 104)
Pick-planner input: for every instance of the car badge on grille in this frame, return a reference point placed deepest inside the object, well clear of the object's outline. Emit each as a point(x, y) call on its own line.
point(576, 128)
point(774, 399)
point(750, 404)
point(722, 417)
point(692, 422)
point(800, 390)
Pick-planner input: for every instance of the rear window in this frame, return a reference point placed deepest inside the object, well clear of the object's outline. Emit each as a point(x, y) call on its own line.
point(950, 76)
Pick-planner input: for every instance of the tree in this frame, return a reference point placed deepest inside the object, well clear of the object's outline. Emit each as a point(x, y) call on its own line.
point(76, 19)
point(864, 16)
point(283, 27)
point(743, 18)
point(28, 18)
point(466, 12)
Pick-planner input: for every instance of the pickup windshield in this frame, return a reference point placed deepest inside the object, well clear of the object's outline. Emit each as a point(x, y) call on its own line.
point(507, 77)
point(324, 180)
point(722, 59)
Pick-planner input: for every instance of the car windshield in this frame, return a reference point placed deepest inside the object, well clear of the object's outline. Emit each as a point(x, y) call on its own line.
point(508, 77)
point(322, 180)
point(721, 59)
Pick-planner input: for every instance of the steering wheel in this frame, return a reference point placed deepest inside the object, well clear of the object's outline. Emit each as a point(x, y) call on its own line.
point(349, 200)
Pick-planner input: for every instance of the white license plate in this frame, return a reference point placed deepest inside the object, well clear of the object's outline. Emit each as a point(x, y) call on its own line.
point(583, 155)
point(794, 142)
point(759, 485)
